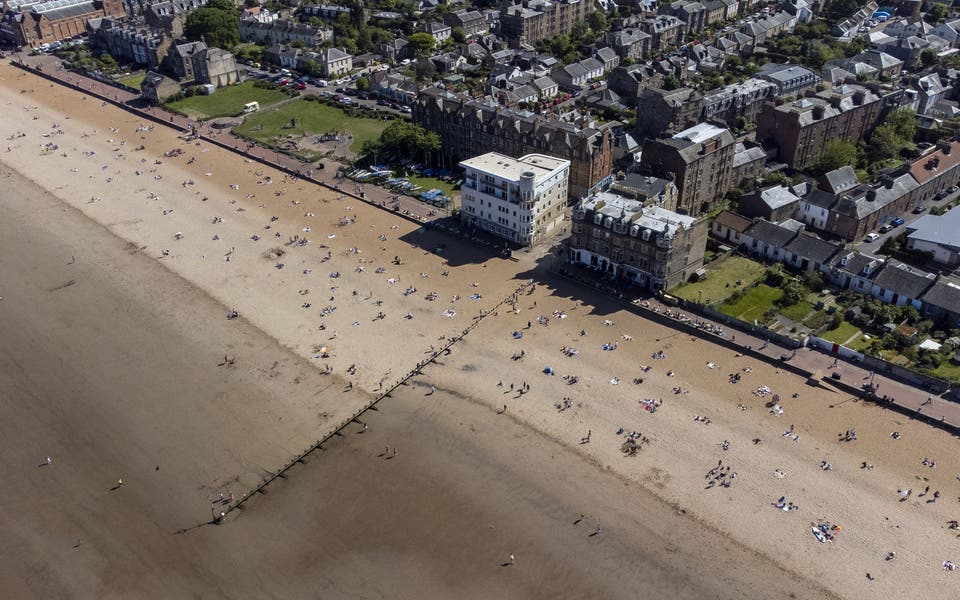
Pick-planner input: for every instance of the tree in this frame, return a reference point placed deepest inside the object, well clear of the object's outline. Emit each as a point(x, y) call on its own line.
point(424, 69)
point(937, 13)
point(224, 5)
point(670, 82)
point(458, 35)
point(597, 20)
point(107, 63)
point(928, 57)
point(837, 153)
point(218, 28)
point(423, 43)
point(404, 138)
point(884, 144)
point(363, 84)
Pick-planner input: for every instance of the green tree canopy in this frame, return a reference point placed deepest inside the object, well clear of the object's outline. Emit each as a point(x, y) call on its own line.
point(363, 83)
point(218, 28)
point(422, 42)
point(458, 35)
point(837, 153)
point(597, 20)
point(406, 139)
point(224, 5)
point(937, 13)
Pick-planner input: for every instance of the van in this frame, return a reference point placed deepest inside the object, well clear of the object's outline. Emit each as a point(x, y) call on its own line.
point(250, 107)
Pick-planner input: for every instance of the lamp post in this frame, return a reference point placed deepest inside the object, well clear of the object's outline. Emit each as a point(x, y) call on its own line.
point(700, 297)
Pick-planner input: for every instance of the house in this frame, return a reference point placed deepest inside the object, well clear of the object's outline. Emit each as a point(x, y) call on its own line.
point(937, 170)
point(327, 12)
point(900, 284)
point(396, 87)
point(809, 253)
point(334, 62)
point(287, 57)
point(282, 32)
point(692, 13)
point(180, 60)
point(630, 81)
point(729, 227)
point(472, 22)
point(34, 23)
point(608, 58)
point(258, 13)
point(546, 87)
point(215, 66)
point(950, 31)
point(155, 88)
point(441, 32)
point(853, 270)
point(449, 62)
point(769, 240)
point(395, 50)
point(577, 75)
point(938, 236)
point(887, 66)
point(629, 43)
point(776, 203)
point(128, 42)
point(664, 30)
point(736, 102)
point(930, 92)
point(942, 303)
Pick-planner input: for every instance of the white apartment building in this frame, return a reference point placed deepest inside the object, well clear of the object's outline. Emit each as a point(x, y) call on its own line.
point(519, 199)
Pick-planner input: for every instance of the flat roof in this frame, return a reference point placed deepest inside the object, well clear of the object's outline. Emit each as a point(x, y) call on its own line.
point(506, 167)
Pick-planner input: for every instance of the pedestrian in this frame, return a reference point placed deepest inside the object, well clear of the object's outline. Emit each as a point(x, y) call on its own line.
point(513, 560)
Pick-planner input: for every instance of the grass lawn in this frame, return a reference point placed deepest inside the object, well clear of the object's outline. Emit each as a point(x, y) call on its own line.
point(312, 117)
point(947, 370)
point(840, 334)
point(721, 278)
point(133, 80)
point(817, 319)
point(225, 102)
point(798, 312)
point(753, 304)
point(429, 183)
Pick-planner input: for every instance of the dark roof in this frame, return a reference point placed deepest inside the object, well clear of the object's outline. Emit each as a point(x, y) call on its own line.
point(840, 180)
point(771, 233)
point(813, 248)
point(857, 263)
point(904, 280)
point(736, 222)
point(944, 294)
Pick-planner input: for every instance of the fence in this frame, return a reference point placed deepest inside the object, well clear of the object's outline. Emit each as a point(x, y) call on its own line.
point(889, 369)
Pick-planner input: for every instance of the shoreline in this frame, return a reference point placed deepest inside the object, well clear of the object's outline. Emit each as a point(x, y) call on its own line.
point(680, 450)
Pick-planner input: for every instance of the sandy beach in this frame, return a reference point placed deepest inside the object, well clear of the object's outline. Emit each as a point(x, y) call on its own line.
point(119, 267)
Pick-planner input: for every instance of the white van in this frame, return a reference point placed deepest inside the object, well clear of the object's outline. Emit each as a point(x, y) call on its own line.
point(250, 107)
point(321, 83)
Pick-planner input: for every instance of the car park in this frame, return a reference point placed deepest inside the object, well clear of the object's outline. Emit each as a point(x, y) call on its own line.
point(871, 237)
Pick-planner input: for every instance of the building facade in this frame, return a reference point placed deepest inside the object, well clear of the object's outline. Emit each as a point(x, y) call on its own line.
point(33, 23)
point(800, 129)
point(521, 199)
point(533, 20)
point(468, 126)
point(699, 161)
point(646, 245)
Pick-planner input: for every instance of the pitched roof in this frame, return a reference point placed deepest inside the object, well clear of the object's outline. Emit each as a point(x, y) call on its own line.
point(812, 247)
point(937, 229)
point(771, 233)
point(840, 180)
point(944, 294)
point(902, 279)
point(736, 222)
point(931, 165)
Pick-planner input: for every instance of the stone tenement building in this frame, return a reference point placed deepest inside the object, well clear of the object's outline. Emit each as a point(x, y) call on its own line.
point(32, 22)
point(699, 160)
point(647, 245)
point(533, 20)
point(470, 127)
point(800, 128)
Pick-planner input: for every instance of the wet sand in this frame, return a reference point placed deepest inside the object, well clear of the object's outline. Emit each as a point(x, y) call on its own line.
point(137, 340)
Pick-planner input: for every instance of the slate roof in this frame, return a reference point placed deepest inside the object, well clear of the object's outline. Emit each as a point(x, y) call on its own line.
point(840, 180)
point(904, 280)
point(944, 294)
point(778, 196)
point(812, 248)
point(736, 222)
point(770, 233)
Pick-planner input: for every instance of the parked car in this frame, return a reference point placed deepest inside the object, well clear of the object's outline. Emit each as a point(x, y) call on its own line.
point(405, 109)
point(886, 228)
point(953, 189)
point(871, 237)
point(919, 209)
point(300, 86)
point(896, 222)
point(382, 102)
